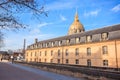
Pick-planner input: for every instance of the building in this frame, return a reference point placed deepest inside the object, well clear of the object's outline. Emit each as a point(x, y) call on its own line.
point(4, 55)
point(18, 56)
point(100, 47)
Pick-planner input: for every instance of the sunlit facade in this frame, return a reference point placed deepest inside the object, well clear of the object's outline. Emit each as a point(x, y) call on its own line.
point(100, 47)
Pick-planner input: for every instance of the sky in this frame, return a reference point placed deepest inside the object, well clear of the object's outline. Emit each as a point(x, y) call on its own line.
point(93, 14)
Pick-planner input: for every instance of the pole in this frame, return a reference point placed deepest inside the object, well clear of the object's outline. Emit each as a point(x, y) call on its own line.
point(24, 48)
point(62, 54)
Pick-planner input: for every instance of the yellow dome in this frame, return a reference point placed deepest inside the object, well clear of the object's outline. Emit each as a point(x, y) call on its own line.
point(76, 26)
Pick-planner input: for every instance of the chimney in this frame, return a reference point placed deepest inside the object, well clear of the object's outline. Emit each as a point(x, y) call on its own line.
point(36, 40)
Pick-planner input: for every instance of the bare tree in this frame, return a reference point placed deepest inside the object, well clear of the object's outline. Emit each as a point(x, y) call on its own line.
point(9, 7)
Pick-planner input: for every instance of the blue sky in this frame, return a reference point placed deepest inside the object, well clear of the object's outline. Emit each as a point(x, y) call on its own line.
point(93, 14)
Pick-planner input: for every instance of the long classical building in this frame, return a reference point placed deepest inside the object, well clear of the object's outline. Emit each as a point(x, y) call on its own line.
point(99, 47)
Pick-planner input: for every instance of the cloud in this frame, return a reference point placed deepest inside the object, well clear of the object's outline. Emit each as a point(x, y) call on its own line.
point(116, 8)
point(58, 5)
point(35, 31)
point(63, 18)
point(92, 13)
point(36, 28)
point(44, 24)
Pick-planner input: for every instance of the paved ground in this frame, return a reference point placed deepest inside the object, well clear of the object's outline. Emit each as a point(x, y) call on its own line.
point(9, 71)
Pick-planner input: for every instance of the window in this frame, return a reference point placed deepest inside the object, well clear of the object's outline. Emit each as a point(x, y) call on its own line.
point(77, 51)
point(32, 46)
point(52, 53)
point(35, 53)
point(58, 52)
point(105, 62)
point(41, 45)
point(31, 53)
point(60, 42)
point(104, 49)
point(68, 41)
point(26, 59)
point(36, 45)
point(88, 62)
point(51, 60)
point(40, 53)
point(77, 40)
point(26, 54)
point(46, 44)
point(35, 60)
point(45, 53)
point(45, 60)
point(58, 61)
point(39, 60)
point(89, 38)
point(31, 59)
point(53, 44)
point(66, 52)
point(67, 61)
point(104, 36)
point(88, 51)
point(77, 61)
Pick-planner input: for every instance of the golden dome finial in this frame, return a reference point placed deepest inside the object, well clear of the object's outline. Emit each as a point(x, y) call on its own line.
point(76, 16)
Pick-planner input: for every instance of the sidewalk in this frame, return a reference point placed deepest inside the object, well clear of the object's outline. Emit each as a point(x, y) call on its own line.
point(13, 71)
point(4, 61)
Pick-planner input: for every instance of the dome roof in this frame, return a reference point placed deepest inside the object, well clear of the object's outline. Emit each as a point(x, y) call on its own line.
point(76, 26)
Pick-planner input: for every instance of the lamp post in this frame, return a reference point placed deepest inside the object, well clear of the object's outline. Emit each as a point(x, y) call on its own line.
point(24, 48)
point(62, 54)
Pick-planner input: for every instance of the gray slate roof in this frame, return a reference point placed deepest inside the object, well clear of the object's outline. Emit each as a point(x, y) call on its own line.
point(3, 52)
point(107, 29)
point(91, 32)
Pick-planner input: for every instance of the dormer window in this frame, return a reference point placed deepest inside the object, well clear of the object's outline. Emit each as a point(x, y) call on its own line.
point(59, 43)
point(47, 44)
point(104, 36)
point(89, 38)
point(68, 41)
point(36, 45)
point(52, 44)
point(41, 45)
point(33, 47)
point(77, 40)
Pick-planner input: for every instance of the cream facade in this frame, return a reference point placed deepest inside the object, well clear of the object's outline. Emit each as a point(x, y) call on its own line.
point(100, 47)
